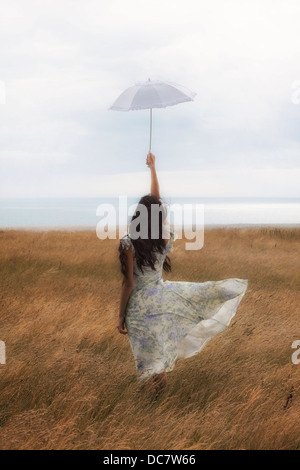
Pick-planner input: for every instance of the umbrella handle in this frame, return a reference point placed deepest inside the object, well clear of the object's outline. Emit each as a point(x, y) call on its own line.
point(150, 129)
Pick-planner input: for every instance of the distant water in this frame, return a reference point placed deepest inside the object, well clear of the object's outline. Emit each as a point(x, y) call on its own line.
point(72, 212)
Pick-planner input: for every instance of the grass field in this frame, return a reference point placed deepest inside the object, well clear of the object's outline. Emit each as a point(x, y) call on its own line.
point(69, 381)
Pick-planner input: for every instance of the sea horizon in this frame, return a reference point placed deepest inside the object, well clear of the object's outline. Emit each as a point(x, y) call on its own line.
point(69, 213)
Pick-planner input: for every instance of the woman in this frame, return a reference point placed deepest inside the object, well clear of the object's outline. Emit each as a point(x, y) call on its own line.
point(166, 320)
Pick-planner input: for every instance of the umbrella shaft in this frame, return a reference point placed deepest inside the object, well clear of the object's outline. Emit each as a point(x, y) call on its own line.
point(150, 129)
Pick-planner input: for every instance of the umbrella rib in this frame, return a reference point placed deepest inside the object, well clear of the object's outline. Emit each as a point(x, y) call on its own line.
point(159, 98)
point(140, 92)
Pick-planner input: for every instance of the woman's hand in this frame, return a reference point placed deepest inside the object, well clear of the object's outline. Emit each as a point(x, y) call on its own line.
point(121, 326)
point(150, 160)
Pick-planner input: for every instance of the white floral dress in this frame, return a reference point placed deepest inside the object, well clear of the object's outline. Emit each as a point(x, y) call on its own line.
point(170, 320)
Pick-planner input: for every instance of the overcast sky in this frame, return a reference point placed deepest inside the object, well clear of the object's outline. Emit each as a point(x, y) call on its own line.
point(63, 63)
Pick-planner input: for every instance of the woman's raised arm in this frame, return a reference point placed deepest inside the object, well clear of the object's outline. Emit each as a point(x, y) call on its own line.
point(150, 161)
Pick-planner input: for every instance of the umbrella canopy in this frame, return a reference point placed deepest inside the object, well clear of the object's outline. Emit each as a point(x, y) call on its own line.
point(152, 94)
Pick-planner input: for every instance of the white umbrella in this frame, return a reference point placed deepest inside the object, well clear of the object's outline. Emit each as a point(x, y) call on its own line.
point(152, 94)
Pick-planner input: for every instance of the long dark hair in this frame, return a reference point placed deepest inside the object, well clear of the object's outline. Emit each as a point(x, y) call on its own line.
point(146, 249)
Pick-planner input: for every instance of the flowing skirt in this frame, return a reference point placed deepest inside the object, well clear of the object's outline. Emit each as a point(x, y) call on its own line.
point(169, 320)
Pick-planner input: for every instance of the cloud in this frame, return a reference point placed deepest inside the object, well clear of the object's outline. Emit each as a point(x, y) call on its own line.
point(217, 182)
point(65, 62)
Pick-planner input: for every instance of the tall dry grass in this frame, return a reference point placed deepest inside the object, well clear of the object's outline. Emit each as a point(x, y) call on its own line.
point(69, 381)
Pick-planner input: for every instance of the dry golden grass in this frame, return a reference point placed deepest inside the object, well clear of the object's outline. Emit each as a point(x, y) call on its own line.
point(69, 381)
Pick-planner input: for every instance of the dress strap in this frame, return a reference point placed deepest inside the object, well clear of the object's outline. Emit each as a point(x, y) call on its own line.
point(170, 243)
point(126, 242)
